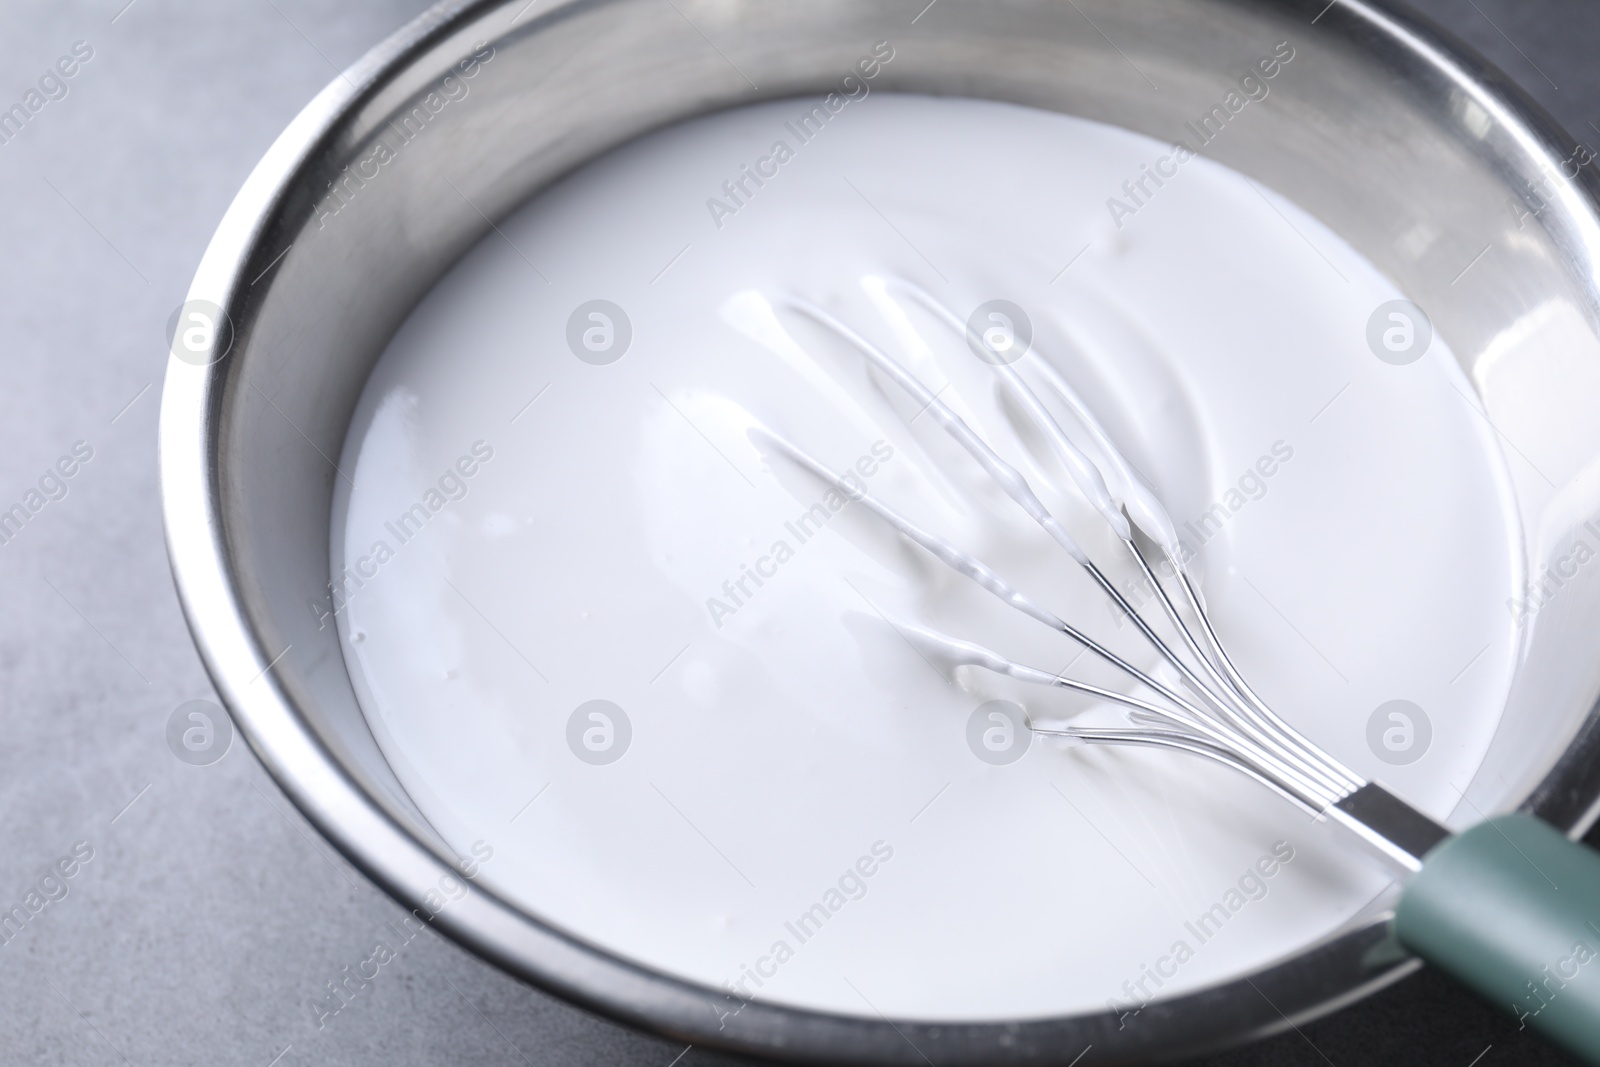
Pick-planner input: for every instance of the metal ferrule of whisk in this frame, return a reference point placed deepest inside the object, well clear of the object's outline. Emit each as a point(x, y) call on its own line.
point(1211, 711)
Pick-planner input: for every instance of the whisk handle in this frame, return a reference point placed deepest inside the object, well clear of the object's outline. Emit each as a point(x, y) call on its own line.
point(1511, 909)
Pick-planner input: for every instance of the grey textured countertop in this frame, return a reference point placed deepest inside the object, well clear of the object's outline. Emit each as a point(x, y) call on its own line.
point(209, 913)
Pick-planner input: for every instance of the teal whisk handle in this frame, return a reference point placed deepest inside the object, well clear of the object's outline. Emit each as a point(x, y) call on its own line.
point(1511, 909)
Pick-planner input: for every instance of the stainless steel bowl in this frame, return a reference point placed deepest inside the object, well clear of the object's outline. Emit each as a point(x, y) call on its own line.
point(1385, 130)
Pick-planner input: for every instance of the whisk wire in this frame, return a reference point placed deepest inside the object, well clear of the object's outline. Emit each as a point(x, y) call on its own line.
point(1239, 710)
point(1230, 723)
point(1349, 778)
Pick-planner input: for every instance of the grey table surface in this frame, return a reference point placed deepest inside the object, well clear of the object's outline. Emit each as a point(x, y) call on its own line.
point(210, 913)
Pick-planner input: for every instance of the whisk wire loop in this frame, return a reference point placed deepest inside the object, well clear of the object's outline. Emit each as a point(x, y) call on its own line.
point(1229, 723)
